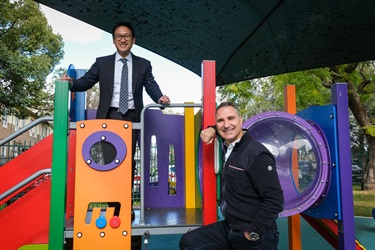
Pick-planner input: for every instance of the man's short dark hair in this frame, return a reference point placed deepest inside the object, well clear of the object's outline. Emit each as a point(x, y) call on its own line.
point(228, 104)
point(126, 24)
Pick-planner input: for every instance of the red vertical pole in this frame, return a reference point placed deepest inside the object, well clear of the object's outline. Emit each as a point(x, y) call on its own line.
point(209, 178)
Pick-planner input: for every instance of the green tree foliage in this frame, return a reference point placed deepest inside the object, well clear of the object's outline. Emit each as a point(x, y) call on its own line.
point(28, 53)
point(309, 87)
point(313, 88)
point(252, 97)
point(266, 94)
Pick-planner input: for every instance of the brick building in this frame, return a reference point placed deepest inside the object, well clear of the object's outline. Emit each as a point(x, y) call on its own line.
point(11, 124)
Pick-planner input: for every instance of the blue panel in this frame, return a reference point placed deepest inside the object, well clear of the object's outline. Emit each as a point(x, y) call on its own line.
point(72, 73)
point(80, 104)
point(78, 99)
point(325, 117)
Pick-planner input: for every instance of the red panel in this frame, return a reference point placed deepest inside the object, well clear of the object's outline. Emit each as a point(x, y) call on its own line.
point(26, 221)
point(209, 178)
point(71, 175)
point(29, 162)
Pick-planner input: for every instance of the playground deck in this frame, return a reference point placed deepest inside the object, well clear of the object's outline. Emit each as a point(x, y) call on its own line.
point(311, 240)
point(158, 221)
point(167, 225)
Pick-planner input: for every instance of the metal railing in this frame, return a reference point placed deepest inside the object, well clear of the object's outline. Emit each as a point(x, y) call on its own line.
point(26, 128)
point(34, 176)
point(25, 182)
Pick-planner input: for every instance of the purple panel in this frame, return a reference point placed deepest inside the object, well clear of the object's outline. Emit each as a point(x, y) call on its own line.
point(282, 133)
point(346, 225)
point(169, 130)
point(200, 168)
point(104, 136)
point(91, 114)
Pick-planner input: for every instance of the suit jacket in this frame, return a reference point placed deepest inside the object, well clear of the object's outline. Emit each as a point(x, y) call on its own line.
point(102, 71)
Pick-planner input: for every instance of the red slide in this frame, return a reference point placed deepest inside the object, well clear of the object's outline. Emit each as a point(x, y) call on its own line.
point(26, 221)
point(328, 229)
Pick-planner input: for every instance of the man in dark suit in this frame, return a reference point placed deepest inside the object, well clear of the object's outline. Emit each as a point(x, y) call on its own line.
point(109, 72)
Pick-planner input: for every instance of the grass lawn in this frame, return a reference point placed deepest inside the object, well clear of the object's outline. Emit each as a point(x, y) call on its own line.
point(364, 201)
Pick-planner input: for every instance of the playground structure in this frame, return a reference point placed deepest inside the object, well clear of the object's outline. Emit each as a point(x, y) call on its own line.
point(318, 136)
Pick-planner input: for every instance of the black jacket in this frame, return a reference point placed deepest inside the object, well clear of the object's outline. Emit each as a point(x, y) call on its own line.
point(102, 71)
point(251, 193)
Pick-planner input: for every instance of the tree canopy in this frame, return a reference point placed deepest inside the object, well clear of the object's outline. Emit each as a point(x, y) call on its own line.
point(312, 88)
point(29, 50)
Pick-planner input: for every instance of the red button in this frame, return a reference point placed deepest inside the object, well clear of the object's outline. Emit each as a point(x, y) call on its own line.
point(115, 222)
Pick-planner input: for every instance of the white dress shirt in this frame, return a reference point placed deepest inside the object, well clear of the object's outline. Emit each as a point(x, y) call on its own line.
point(230, 149)
point(117, 81)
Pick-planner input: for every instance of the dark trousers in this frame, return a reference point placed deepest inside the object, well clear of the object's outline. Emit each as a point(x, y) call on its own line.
point(128, 116)
point(220, 236)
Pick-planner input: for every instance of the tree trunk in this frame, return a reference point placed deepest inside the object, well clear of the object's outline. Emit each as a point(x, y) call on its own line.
point(369, 175)
point(363, 119)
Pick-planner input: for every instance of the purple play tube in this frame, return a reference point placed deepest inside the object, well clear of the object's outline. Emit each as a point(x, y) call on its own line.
point(302, 157)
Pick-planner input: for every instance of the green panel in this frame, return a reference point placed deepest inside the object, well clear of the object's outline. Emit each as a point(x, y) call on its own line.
point(59, 166)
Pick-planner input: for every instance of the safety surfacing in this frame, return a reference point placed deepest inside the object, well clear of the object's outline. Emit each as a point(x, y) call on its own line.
point(311, 240)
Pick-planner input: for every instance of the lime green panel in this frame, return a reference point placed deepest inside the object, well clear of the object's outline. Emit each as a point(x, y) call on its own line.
point(34, 247)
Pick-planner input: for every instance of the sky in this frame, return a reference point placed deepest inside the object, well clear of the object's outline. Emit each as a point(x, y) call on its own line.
point(83, 43)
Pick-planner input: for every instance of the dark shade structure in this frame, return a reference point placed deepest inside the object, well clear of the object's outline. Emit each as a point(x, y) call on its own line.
point(247, 38)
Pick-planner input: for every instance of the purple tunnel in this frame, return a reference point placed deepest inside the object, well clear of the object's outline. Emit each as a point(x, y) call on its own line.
point(302, 157)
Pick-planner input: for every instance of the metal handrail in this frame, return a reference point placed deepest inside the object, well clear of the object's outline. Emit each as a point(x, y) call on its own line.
point(142, 125)
point(26, 128)
point(25, 182)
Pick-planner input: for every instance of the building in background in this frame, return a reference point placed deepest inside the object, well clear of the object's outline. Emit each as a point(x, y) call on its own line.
point(11, 124)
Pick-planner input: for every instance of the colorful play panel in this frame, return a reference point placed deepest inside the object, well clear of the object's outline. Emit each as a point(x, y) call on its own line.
point(86, 196)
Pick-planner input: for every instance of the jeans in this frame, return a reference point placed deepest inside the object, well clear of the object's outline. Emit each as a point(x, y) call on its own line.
point(220, 236)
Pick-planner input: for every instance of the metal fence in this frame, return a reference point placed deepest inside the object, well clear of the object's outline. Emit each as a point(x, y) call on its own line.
point(13, 149)
point(360, 159)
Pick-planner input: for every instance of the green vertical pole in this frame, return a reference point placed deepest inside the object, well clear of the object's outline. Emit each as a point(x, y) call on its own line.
point(59, 166)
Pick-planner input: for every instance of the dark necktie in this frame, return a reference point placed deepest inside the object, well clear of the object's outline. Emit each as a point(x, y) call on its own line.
point(123, 104)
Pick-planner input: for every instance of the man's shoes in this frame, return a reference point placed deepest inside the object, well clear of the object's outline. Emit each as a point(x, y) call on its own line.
point(133, 214)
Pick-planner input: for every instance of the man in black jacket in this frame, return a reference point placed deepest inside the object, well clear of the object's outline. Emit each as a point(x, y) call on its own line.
point(108, 71)
point(251, 195)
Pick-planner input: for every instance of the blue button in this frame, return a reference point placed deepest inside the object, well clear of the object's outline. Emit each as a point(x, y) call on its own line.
point(101, 222)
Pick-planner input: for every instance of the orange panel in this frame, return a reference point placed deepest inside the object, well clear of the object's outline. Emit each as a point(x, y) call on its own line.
point(290, 99)
point(294, 222)
point(95, 183)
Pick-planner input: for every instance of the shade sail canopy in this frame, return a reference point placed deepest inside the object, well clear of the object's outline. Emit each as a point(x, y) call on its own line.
point(247, 38)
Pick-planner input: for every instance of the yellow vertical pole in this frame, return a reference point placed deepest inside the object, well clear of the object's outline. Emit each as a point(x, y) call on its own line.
point(189, 158)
